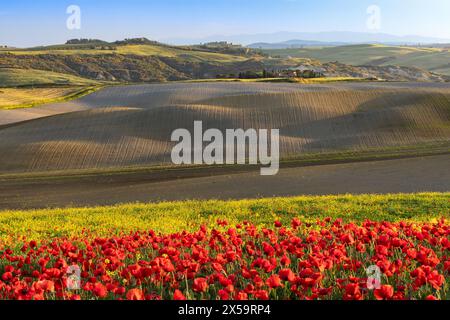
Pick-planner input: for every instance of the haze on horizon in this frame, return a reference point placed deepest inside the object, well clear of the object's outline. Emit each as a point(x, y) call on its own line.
point(26, 23)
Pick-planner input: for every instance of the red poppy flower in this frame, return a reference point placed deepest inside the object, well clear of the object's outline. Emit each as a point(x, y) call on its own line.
point(200, 285)
point(7, 276)
point(285, 261)
point(135, 294)
point(223, 294)
point(274, 281)
point(261, 295)
point(100, 290)
point(295, 223)
point(178, 295)
point(45, 285)
point(241, 295)
point(287, 275)
point(436, 280)
point(385, 292)
point(352, 292)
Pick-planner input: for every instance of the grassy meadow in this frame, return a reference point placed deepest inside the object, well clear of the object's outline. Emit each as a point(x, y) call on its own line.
point(172, 217)
point(12, 77)
point(140, 50)
point(26, 88)
point(17, 98)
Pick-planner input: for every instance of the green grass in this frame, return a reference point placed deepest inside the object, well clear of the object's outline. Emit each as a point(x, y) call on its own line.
point(172, 52)
point(30, 77)
point(432, 59)
point(170, 217)
point(27, 88)
point(142, 50)
point(29, 98)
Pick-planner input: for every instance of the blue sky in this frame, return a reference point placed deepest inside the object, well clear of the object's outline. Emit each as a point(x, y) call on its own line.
point(33, 22)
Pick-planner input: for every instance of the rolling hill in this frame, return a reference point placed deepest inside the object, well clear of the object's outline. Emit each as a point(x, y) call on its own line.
point(432, 59)
point(291, 44)
point(131, 64)
point(131, 125)
point(330, 36)
point(132, 60)
point(26, 88)
point(142, 60)
point(13, 77)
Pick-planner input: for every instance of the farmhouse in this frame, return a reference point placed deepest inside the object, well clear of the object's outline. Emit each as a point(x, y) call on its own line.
point(302, 72)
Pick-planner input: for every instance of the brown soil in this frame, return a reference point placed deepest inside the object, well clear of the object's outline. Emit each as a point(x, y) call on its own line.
point(389, 176)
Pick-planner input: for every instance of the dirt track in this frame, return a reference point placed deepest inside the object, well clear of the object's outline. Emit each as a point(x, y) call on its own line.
point(390, 176)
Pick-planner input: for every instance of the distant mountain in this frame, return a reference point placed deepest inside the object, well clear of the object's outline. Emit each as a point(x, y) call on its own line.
point(335, 36)
point(293, 44)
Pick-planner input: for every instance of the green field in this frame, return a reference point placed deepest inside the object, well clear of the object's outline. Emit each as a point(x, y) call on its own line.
point(154, 62)
point(171, 217)
point(431, 59)
point(130, 62)
point(26, 88)
point(21, 98)
point(12, 77)
point(139, 50)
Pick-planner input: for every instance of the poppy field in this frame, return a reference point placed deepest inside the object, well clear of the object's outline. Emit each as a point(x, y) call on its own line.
point(392, 247)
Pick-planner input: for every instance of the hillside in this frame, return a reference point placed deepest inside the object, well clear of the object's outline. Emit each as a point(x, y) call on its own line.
point(135, 127)
point(25, 98)
point(10, 77)
point(142, 60)
point(131, 63)
point(292, 44)
point(432, 59)
point(372, 72)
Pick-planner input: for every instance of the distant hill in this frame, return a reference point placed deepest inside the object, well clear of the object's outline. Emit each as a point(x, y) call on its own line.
point(333, 36)
point(133, 60)
point(292, 44)
point(435, 60)
point(141, 60)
